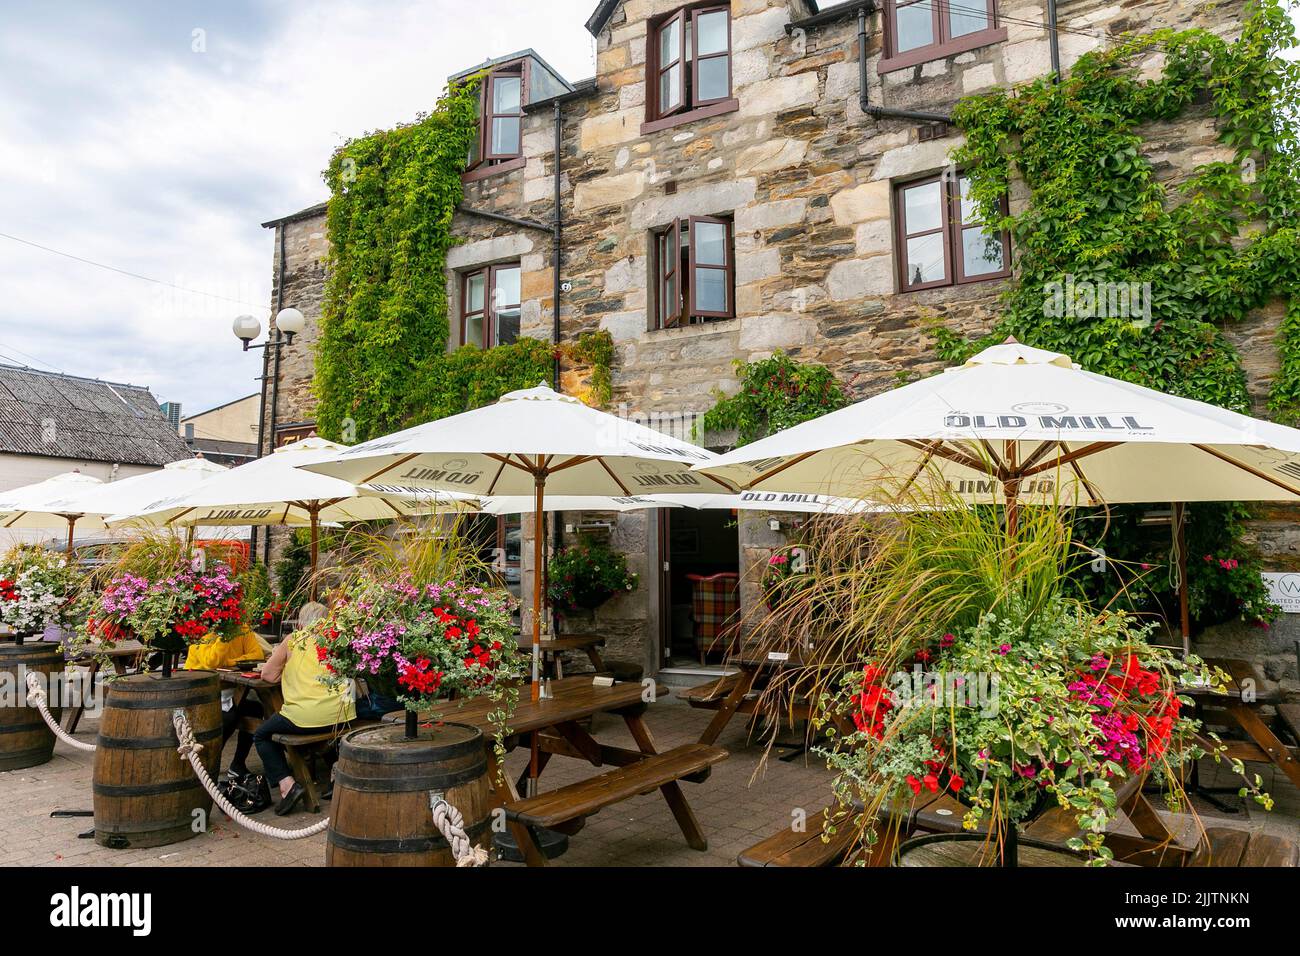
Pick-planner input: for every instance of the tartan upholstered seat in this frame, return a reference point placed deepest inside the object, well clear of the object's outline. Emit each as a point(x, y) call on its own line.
point(716, 610)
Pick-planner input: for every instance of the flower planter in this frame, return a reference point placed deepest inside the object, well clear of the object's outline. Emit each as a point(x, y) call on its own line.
point(382, 785)
point(25, 740)
point(145, 794)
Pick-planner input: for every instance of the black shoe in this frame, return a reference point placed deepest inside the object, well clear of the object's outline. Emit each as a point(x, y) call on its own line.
point(290, 800)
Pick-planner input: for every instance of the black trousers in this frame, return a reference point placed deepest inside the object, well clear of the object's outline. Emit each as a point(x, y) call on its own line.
point(272, 754)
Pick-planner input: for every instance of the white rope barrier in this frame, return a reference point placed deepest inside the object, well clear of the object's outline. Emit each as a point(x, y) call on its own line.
point(189, 749)
point(36, 695)
point(451, 824)
point(446, 818)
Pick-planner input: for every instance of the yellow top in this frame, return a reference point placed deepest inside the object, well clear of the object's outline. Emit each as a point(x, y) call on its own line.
point(307, 701)
point(214, 652)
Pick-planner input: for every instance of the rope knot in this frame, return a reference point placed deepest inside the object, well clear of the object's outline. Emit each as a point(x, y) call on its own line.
point(185, 734)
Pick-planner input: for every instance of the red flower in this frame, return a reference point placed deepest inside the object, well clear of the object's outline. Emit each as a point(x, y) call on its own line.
point(956, 783)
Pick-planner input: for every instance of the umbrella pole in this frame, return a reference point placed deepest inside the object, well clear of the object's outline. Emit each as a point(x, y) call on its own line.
point(539, 559)
point(315, 551)
point(71, 522)
point(1010, 834)
point(1180, 546)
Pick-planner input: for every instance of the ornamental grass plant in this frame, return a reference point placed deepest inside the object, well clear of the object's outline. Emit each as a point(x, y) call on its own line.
point(942, 650)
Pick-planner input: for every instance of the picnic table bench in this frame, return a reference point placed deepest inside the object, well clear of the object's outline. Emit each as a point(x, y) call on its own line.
point(556, 722)
point(123, 657)
point(552, 647)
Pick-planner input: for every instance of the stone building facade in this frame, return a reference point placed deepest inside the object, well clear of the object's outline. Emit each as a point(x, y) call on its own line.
point(746, 126)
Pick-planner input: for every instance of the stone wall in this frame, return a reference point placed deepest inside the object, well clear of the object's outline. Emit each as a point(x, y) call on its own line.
point(807, 177)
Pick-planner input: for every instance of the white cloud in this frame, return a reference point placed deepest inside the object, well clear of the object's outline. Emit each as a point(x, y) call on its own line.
point(123, 145)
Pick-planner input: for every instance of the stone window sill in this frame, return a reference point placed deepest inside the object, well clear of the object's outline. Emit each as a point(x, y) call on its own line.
point(939, 51)
point(485, 172)
point(681, 119)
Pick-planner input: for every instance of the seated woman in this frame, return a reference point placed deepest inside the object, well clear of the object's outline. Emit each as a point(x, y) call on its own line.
point(214, 654)
point(309, 705)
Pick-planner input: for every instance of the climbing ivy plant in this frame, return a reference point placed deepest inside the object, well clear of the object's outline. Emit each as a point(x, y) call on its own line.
point(382, 361)
point(775, 393)
point(1196, 256)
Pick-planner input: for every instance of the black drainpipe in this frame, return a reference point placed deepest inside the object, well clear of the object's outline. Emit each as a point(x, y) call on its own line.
point(1053, 41)
point(884, 112)
point(557, 260)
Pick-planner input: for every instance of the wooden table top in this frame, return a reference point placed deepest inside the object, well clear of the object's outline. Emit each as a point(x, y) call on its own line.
point(569, 642)
point(575, 698)
point(124, 649)
point(242, 679)
point(1237, 671)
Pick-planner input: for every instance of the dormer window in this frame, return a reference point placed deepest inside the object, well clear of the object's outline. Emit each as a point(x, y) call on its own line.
point(688, 67)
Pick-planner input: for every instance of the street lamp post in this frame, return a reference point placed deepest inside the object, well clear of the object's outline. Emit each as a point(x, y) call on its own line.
point(288, 323)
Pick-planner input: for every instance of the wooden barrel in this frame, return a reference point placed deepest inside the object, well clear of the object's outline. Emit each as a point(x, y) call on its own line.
point(381, 814)
point(25, 739)
point(145, 793)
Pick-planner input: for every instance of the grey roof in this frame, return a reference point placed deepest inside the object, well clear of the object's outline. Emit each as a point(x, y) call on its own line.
point(311, 212)
point(529, 53)
point(64, 416)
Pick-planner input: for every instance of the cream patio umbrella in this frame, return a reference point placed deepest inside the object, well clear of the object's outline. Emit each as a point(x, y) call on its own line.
point(276, 491)
point(533, 441)
point(52, 503)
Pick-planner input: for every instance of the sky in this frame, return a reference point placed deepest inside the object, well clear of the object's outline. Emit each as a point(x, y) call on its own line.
point(156, 136)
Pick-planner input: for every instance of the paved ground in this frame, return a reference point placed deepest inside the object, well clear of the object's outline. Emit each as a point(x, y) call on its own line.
point(740, 804)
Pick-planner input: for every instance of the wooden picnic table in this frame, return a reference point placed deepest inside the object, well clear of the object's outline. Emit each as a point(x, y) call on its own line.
point(120, 656)
point(556, 721)
point(587, 643)
point(269, 694)
point(1242, 711)
point(735, 693)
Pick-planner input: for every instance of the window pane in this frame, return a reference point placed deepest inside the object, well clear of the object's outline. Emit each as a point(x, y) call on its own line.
point(670, 88)
point(969, 213)
point(507, 325)
point(506, 293)
point(715, 84)
point(711, 290)
point(923, 208)
point(670, 43)
point(915, 26)
point(712, 37)
point(474, 297)
point(671, 304)
point(710, 244)
point(965, 17)
point(506, 93)
point(505, 136)
point(925, 259)
point(474, 331)
point(981, 252)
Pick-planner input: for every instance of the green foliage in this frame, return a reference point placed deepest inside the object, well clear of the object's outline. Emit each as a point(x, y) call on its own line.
point(384, 330)
point(293, 568)
point(586, 575)
point(382, 361)
point(775, 393)
point(1212, 249)
point(258, 595)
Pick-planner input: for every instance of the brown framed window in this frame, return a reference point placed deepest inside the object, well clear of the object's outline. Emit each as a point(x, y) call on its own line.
point(940, 237)
point(695, 272)
point(917, 31)
point(490, 306)
point(501, 98)
point(688, 65)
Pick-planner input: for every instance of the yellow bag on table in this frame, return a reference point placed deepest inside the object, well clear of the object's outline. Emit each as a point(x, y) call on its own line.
point(215, 653)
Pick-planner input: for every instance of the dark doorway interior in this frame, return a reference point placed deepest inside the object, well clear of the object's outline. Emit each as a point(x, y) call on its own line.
point(696, 605)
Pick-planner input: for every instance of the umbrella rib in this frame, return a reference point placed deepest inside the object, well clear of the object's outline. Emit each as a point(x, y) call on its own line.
point(1093, 497)
point(497, 477)
point(1084, 452)
point(576, 460)
point(925, 460)
point(955, 456)
point(780, 468)
point(383, 471)
point(993, 455)
point(1039, 452)
point(1246, 468)
point(721, 482)
point(613, 477)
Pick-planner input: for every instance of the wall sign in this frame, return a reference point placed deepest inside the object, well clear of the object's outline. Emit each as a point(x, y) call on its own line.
point(1284, 589)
